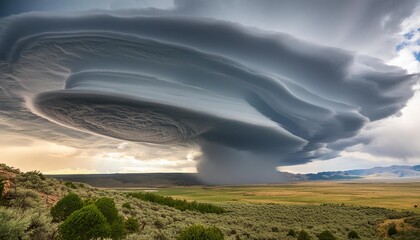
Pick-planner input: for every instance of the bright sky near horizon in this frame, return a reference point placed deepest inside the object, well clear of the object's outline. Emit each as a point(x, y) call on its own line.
point(218, 87)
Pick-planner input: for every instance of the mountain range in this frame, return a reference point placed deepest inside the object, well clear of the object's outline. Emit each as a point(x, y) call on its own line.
point(376, 173)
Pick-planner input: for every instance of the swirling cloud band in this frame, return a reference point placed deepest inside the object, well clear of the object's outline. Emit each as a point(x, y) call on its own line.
point(191, 81)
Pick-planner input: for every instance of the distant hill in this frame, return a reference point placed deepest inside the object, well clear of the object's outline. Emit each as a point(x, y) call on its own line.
point(127, 180)
point(392, 172)
point(133, 180)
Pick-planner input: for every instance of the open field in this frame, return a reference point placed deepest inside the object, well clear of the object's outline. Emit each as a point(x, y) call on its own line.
point(399, 196)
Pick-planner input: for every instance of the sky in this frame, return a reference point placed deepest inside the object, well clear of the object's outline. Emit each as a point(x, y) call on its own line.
point(234, 90)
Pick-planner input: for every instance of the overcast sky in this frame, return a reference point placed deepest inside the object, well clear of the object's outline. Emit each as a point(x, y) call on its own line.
point(219, 87)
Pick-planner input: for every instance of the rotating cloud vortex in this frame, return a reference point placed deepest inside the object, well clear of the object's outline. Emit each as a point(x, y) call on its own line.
point(249, 98)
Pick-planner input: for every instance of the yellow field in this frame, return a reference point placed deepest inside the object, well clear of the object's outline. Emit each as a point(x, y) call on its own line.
point(400, 196)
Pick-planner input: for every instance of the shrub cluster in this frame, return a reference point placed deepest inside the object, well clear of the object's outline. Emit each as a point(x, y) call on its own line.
point(66, 206)
point(91, 219)
point(85, 223)
point(199, 232)
point(353, 235)
point(132, 225)
point(392, 229)
point(70, 185)
point(34, 180)
point(178, 204)
point(291, 233)
point(326, 235)
point(303, 235)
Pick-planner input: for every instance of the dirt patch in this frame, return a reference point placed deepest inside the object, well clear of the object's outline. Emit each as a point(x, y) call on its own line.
point(7, 185)
point(50, 200)
point(400, 224)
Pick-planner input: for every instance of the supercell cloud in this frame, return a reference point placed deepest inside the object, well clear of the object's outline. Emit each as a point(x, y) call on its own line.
point(250, 99)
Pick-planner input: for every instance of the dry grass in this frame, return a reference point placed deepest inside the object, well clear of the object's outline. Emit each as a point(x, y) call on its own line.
point(399, 196)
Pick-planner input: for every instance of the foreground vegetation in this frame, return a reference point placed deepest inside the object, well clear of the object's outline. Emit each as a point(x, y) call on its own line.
point(31, 210)
point(182, 205)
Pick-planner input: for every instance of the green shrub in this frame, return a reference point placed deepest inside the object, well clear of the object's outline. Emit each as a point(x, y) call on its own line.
point(275, 229)
point(9, 169)
point(353, 235)
point(159, 224)
point(326, 235)
point(291, 233)
point(392, 229)
point(107, 207)
point(88, 201)
point(70, 185)
point(40, 226)
point(85, 223)
point(117, 228)
point(303, 235)
point(126, 205)
point(66, 206)
point(12, 224)
point(178, 204)
point(132, 225)
point(24, 199)
point(33, 180)
point(199, 232)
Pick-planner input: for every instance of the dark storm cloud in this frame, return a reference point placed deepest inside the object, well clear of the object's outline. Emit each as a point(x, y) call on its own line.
point(252, 100)
point(359, 25)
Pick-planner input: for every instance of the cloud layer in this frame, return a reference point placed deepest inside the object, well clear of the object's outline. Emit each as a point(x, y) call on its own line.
point(248, 97)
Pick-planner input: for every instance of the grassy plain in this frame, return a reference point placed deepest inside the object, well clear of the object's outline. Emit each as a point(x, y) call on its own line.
point(398, 196)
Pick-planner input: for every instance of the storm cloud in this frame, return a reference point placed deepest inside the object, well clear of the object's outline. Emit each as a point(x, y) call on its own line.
point(251, 99)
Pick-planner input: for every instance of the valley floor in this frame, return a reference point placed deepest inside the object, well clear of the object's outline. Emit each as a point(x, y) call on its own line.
point(398, 196)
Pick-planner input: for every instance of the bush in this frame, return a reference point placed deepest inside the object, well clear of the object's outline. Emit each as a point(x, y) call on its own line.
point(291, 233)
point(24, 199)
point(132, 225)
point(126, 205)
point(70, 185)
point(275, 229)
point(107, 207)
point(158, 224)
point(85, 223)
point(88, 201)
point(353, 235)
point(303, 235)
point(326, 235)
point(40, 227)
point(392, 229)
point(117, 228)
point(66, 206)
point(12, 224)
point(9, 169)
point(199, 232)
point(33, 180)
